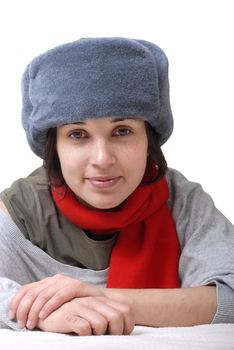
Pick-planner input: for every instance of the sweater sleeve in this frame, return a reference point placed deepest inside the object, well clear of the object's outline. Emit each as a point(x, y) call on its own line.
point(10, 271)
point(22, 262)
point(8, 288)
point(207, 243)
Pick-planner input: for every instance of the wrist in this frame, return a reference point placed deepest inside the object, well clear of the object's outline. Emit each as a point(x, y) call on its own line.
point(119, 295)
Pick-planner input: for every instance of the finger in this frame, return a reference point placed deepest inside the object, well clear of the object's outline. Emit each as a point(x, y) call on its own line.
point(78, 325)
point(115, 320)
point(30, 306)
point(113, 315)
point(16, 300)
point(55, 301)
point(23, 309)
point(36, 307)
point(39, 293)
point(127, 314)
point(14, 305)
point(64, 289)
point(97, 321)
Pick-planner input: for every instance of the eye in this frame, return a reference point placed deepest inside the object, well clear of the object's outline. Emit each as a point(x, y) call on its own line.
point(122, 132)
point(79, 134)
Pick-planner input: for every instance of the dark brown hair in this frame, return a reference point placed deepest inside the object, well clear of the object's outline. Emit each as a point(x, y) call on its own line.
point(52, 163)
point(51, 160)
point(155, 154)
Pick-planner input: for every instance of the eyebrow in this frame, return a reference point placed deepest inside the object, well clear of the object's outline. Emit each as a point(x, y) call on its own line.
point(115, 120)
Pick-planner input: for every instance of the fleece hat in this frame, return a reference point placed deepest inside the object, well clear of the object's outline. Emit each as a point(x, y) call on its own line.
point(92, 78)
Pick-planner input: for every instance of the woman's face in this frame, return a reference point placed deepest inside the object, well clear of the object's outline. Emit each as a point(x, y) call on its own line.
point(103, 160)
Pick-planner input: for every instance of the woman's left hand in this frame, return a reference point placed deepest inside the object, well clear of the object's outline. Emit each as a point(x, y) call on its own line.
point(37, 300)
point(90, 316)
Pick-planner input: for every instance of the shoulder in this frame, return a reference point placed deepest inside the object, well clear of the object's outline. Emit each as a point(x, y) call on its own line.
point(23, 191)
point(37, 180)
point(3, 207)
point(194, 211)
point(26, 197)
point(190, 206)
point(181, 189)
point(177, 180)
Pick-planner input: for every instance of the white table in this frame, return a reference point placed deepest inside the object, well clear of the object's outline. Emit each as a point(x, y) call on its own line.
point(207, 337)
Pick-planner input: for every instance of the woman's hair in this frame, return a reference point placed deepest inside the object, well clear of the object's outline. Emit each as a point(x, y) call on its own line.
point(155, 154)
point(51, 160)
point(52, 164)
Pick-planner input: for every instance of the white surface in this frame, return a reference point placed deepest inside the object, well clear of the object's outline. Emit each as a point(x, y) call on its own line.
point(211, 337)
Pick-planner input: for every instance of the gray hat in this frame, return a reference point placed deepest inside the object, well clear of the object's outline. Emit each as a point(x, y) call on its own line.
point(96, 77)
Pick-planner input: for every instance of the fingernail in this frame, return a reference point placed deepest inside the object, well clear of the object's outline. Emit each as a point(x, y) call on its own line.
point(29, 324)
point(20, 324)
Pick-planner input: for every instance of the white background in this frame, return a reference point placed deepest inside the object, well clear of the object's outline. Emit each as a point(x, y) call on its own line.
point(198, 38)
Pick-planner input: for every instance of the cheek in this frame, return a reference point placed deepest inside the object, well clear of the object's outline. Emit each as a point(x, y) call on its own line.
point(142, 160)
point(69, 161)
point(142, 163)
point(137, 160)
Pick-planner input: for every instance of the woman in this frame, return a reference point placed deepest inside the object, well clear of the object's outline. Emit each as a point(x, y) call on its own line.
point(104, 235)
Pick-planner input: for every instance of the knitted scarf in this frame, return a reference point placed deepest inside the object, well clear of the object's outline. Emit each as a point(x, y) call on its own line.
point(146, 252)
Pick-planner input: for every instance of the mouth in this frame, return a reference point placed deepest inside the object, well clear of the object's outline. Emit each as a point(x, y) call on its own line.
point(103, 181)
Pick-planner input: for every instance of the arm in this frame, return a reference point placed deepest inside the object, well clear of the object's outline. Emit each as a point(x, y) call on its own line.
point(206, 265)
point(169, 307)
point(97, 314)
point(207, 242)
point(150, 307)
point(8, 289)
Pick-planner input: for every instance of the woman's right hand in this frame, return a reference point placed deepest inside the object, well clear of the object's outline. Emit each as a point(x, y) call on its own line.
point(90, 316)
point(38, 299)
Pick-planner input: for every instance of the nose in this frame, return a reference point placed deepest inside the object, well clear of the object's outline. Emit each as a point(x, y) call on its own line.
point(102, 154)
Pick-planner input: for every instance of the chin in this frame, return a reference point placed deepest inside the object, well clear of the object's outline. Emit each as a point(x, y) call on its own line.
point(101, 205)
point(106, 207)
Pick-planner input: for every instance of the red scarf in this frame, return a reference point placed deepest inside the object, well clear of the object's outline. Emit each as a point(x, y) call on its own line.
point(146, 252)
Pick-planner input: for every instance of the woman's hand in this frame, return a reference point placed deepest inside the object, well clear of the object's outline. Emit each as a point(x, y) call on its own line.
point(90, 315)
point(37, 300)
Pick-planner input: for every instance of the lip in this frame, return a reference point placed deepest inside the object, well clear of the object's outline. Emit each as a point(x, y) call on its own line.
point(103, 181)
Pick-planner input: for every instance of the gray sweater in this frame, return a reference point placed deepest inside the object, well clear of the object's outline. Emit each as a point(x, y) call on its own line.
point(206, 239)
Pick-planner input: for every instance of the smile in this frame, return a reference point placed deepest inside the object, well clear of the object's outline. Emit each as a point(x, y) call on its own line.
point(104, 182)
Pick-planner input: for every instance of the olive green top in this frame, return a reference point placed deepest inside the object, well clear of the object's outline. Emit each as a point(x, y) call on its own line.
point(32, 208)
